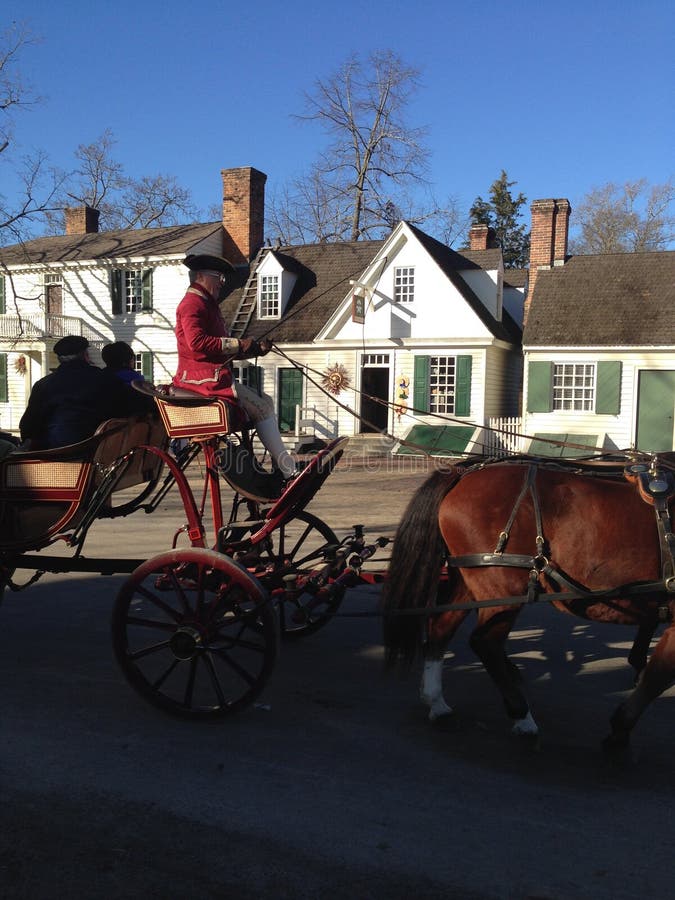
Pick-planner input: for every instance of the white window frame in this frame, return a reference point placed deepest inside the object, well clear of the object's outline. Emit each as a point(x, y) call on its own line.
point(442, 384)
point(269, 296)
point(404, 284)
point(574, 387)
point(132, 290)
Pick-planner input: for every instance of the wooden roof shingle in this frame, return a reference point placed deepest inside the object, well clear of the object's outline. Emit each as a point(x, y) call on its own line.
point(617, 299)
point(127, 242)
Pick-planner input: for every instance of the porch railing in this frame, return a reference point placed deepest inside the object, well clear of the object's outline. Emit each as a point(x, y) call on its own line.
point(40, 327)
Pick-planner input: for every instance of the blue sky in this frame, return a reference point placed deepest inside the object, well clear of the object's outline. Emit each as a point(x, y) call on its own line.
point(565, 97)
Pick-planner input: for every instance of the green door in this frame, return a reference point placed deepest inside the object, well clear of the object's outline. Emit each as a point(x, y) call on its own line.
point(656, 411)
point(290, 396)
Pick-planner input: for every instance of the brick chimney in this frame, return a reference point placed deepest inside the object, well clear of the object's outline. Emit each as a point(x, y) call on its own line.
point(482, 237)
point(243, 213)
point(548, 240)
point(81, 220)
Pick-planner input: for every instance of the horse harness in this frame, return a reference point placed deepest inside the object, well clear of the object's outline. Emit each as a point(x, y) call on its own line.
point(656, 486)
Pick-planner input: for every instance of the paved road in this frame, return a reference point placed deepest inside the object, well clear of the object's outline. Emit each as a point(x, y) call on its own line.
point(333, 785)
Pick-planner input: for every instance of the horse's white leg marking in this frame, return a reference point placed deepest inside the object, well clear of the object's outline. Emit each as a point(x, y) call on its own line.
point(431, 689)
point(525, 726)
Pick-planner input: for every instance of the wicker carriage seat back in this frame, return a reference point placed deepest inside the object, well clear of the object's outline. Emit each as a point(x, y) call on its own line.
point(186, 414)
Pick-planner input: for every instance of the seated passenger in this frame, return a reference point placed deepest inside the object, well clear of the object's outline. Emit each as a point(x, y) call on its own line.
point(206, 351)
point(121, 360)
point(70, 403)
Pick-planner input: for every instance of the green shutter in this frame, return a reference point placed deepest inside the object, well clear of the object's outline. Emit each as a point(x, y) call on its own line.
point(116, 292)
point(146, 365)
point(3, 299)
point(4, 391)
point(421, 385)
point(254, 377)
point(463, 386)
point(539, 386)
point(608, 388)
point(146, 304)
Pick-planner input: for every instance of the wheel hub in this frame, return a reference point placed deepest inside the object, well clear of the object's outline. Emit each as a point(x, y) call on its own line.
point(185, 643)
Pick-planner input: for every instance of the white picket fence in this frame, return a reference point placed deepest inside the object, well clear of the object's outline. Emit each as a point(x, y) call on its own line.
point(506, 438)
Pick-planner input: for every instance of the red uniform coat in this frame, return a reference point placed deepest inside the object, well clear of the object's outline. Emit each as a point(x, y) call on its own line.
point(205, 351)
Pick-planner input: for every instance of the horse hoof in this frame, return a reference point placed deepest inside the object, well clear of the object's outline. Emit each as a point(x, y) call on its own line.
point(525, 727)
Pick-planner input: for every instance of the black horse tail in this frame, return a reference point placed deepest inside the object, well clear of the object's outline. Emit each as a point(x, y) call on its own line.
point(415, 569)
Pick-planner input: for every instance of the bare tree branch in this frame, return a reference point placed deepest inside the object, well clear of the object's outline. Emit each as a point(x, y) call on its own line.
point(625, 219)
point(373, 155)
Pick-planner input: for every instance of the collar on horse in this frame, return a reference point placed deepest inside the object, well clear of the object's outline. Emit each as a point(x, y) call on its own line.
point(656, 486)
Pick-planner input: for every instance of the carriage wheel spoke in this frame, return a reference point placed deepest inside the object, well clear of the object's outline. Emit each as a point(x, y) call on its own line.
point(135, 655)
point(215, 681)
point(223, 654)
point(158, 602)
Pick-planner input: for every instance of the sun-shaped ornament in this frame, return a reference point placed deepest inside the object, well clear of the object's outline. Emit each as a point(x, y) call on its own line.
point(335, 379)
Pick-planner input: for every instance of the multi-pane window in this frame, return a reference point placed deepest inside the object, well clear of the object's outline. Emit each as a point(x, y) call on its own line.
point(375, 359)
point(574, 386)
point(269, 297)
point(131, 290)
point(404, 284)
point(442, 384)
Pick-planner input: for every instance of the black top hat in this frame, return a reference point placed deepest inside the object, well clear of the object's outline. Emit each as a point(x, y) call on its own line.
point(203, 262)
point(71, 345)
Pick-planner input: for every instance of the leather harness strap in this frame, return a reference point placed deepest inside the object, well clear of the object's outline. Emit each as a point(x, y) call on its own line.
point(539, 565)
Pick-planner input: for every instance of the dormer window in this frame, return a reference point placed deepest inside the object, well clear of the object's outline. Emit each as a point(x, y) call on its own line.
point(404, 284)
point(269, 307)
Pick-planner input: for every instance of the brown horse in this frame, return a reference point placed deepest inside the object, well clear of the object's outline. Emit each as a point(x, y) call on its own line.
point(524, 530)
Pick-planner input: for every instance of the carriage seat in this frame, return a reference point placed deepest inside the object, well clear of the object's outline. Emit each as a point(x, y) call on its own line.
point(187, 414)
point(44, 491)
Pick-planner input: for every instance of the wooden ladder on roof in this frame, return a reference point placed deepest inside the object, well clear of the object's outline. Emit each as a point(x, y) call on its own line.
point(248, 300)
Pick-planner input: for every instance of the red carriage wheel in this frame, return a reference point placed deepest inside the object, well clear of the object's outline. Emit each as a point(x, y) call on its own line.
point(195, 634)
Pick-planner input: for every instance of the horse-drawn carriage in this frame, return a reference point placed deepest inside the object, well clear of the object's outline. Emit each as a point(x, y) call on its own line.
point(195, 629)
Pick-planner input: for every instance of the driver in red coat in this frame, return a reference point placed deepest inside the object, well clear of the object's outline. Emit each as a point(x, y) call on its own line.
point(206, 351)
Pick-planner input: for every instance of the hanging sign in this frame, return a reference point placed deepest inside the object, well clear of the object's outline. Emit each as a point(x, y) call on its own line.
point(358, 308)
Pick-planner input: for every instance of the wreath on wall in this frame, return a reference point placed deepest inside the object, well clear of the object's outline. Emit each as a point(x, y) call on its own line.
point(335, 379)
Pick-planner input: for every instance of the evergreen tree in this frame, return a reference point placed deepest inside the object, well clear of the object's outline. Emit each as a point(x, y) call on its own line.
point(502, 213)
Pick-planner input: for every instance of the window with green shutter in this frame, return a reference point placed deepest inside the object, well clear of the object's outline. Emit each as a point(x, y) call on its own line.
point(442, 384)
point(3, 300)
point(608, 388)
point(146, 298)
point(146, 363)
point(4, 388)
point(116, 292)
point(539, 386)
point(131, 290)
point(421, 384)
point(463, 386)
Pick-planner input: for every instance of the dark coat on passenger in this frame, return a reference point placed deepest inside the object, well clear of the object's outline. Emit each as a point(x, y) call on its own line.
point(69, 404)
